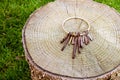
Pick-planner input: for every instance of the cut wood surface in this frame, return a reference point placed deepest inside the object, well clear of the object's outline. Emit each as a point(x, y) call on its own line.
point(43, 32)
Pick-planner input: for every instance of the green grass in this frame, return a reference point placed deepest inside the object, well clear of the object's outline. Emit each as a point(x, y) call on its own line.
point(13, 15)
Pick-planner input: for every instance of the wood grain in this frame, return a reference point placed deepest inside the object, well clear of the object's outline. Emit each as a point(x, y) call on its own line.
point(42, 34)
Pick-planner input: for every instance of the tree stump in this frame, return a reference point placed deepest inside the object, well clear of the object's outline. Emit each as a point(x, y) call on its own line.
point(43, 32)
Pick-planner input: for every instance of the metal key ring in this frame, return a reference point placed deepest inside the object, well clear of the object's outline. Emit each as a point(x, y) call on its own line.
point(63, 24)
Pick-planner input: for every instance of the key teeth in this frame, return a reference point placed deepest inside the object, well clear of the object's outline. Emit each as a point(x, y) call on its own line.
point(79, 52)
point(73, 57)
point(66, 42)
point(79, 44)
point(63, 40)
point(77, 41)
point(90, 37)
point(62, 49)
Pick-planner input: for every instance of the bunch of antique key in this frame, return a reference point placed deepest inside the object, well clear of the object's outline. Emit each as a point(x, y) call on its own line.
point(77, 40)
